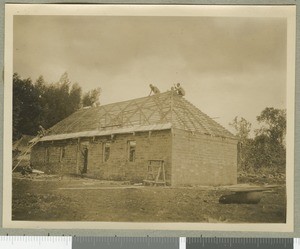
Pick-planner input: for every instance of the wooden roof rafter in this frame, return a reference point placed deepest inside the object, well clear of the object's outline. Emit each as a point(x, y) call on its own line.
point(194, 116)
point(142, 112)
point(108, 113)
point(162, 115)
point(179, 119)
point(195, 113)
point(188, 118)
point(186, 112)
point(159, 106)
point(114, 119)
point(139, 109)
point(159, 109)
point(76, 122)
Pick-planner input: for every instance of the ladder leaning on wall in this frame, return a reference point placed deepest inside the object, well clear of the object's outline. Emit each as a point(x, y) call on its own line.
point(23, 154)
point(156, 173)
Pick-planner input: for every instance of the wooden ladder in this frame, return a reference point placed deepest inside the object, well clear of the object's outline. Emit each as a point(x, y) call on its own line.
point(22, 156)
point(156, 173)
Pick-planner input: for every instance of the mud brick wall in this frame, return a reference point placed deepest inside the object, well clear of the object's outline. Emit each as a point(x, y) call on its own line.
point(199, 159)
point(54, 162)
point(157, 145)
point(37, 156)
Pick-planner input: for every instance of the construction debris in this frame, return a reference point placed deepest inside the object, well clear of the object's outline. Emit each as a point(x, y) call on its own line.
point(35, 171)
point(28, 170)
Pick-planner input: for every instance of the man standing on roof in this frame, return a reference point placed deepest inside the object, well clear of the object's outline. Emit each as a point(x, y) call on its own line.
point(154, 89)
point(179, 90)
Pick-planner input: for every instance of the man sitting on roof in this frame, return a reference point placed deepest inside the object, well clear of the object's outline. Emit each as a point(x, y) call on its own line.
point(154, 89)
point(179, 90)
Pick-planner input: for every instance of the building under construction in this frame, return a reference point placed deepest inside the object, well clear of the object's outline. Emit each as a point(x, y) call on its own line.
point(161, 138)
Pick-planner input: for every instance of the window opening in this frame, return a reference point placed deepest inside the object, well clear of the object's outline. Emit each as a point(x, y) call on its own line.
point(131, 150)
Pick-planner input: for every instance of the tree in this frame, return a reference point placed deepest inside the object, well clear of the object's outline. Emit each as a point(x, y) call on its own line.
point(58, 100)
point(91, 97)
point(41, 88)
point(274, 124)
point(242, 128)
point(75, 98)
point(25, 107)
point(242, 131)
point(267, 148)
point(46, 104)
point(269, 142)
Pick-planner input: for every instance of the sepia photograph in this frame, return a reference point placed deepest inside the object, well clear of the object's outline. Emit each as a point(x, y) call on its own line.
point(149, 117)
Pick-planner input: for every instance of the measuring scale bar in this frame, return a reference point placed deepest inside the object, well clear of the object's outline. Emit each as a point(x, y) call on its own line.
point(68, 242)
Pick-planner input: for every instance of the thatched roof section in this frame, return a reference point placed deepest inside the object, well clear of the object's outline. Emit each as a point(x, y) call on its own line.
point(168, 109)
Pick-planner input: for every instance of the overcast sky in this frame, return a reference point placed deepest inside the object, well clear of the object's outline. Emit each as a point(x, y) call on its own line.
point(228, 66)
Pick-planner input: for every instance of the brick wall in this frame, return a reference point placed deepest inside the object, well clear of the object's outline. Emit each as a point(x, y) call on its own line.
point(199, 159)
point(48, 157)
point(156, 145)
point(196, 158)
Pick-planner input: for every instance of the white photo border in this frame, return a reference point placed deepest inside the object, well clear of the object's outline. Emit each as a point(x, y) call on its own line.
point(288, 12)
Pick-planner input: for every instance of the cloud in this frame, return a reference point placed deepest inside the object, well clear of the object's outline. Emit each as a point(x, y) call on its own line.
point(228, 66)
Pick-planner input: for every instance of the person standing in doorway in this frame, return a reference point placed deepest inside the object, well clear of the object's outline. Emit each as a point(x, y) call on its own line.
point(85, 153)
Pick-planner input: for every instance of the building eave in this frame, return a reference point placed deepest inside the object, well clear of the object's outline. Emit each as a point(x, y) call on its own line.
point(95, 133)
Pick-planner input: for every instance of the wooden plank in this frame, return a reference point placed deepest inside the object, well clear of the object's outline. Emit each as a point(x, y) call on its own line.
point(152, 181)
point(164, 173)
point(158, 174)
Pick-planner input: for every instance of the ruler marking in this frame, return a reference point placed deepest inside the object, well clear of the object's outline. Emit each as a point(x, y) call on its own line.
point(35, 242)
point(263, 243)
point(296, 243)
point(93, 242)
point(182, 243)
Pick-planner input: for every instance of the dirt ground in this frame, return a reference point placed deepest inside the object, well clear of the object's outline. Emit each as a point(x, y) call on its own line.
point(52, 198)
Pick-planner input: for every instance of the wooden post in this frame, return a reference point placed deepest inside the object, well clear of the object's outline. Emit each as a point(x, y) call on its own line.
point(164, 173)
point(158, 174)
point(77, 156)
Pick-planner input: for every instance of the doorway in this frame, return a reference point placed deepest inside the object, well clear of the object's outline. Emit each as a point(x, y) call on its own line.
point(85, 153)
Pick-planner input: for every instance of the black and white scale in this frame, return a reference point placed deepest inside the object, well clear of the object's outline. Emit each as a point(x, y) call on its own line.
point(68, 242)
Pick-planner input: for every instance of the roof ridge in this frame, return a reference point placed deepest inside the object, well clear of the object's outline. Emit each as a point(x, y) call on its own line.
point(129, 100)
